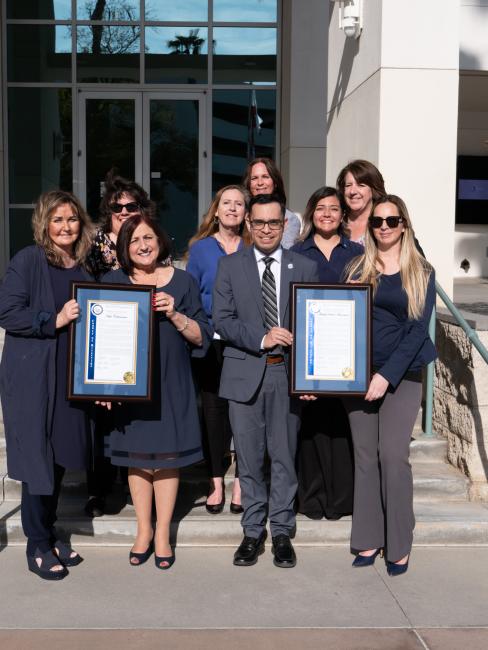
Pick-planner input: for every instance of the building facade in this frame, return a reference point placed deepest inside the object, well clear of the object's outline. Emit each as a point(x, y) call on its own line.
point(178, 95)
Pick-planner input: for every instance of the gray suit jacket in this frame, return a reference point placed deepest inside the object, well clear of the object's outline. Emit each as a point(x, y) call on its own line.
point(238, 316)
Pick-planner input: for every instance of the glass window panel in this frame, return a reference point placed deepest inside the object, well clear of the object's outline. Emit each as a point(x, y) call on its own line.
point(251, 11)
point(244, 54)
point(174, 167)
point(39, 53)
point(39, 9)
point(237, 137)
point(40, 142)
point(110, 142)
point(20, 229)
point(169, 10)
point(176, 54)
point(108, 10)
point(108, 54)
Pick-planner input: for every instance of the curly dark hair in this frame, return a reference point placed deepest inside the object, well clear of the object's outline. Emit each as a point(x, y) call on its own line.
point(115, 187)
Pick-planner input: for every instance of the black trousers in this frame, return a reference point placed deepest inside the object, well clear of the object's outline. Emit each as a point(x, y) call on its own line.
point(101, 475)
point(217, 432)
point(38, 514)
point(325, 464)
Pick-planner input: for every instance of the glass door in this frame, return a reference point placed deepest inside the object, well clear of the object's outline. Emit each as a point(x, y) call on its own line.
point(174, 157)
point(155, 138)
point(110, 136)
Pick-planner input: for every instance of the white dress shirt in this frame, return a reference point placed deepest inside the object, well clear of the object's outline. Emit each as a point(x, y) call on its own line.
point(275, 269)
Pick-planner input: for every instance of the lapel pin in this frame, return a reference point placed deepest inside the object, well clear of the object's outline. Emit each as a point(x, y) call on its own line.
point(290, 266)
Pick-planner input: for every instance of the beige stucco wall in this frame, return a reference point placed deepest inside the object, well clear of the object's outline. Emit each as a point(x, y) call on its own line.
point(393, 100)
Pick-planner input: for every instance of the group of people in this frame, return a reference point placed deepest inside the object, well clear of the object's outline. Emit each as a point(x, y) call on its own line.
point(222, 329)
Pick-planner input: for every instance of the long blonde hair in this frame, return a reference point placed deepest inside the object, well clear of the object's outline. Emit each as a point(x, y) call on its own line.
point(46, 204)
point(210, 224)
point(414, 268)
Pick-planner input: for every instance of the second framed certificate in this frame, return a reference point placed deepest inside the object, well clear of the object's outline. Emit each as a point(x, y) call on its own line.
point(110, 355)
point(331, 326)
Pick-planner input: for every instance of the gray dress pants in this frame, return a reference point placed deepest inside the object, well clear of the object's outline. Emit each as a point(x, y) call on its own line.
point(383, 486)
point(269, 421)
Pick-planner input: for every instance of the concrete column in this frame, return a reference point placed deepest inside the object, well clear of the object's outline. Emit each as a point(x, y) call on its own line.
point(394, 101)
point(303, 98)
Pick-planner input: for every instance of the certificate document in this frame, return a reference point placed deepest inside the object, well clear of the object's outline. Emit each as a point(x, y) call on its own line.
point(111, 342)
point(330, 339)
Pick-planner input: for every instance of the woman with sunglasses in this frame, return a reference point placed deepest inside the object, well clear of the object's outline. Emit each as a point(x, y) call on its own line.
point(382, 422)
point(324, 460)
point(122, 200)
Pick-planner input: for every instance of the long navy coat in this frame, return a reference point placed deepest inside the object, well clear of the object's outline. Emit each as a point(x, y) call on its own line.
point(28, 368)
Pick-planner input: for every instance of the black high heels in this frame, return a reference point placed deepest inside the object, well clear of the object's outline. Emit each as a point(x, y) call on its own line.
point(215, 509)
point(395, 569)
point(141, 557)
point(366, 560)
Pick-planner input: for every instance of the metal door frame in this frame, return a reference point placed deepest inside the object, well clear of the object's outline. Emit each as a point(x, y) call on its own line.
point(142, 137)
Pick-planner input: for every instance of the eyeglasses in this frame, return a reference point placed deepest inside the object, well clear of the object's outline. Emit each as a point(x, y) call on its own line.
point(118, 207)
point(391, 222)
point(259, 224)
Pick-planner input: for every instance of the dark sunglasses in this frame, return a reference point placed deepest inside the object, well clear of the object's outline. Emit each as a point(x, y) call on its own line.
point(118, 207)
point(391, 222)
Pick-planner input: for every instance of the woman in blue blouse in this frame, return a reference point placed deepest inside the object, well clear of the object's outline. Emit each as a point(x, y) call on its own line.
point(381, 423)
point(221, 233)
point(325, 466)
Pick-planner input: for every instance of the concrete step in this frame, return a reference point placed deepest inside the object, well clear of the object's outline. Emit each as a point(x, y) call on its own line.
point(437, 524)
point(438, 482)
point(432, 481)
point(427, 448)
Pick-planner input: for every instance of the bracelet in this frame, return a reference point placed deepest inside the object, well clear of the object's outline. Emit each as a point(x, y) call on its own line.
point(182, 329)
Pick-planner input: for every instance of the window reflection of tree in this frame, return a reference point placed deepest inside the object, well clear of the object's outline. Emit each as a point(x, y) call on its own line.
point(190, 45)
point(107, 39)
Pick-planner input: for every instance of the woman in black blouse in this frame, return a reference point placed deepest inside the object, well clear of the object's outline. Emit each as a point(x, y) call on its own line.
point(324, 460)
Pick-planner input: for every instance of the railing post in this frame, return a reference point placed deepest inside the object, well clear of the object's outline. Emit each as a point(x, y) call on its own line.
point(429, 388)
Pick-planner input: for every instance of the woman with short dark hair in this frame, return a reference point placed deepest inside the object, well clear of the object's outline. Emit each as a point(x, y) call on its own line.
point(45, 434)
point(154, 440)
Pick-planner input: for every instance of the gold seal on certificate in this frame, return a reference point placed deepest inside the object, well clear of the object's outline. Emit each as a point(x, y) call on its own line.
point(129, 377)
point(347, 373)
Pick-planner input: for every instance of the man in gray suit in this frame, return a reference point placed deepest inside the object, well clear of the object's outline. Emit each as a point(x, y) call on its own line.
point(250, 312)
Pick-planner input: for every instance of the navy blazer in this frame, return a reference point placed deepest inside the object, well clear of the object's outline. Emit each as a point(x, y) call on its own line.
point(28, 368)
point(238, 315)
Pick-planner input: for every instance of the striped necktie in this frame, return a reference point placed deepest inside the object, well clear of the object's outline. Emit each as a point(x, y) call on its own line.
point(269, 295)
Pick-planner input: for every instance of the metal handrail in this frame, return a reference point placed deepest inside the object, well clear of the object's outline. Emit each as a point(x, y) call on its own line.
point(472, 336)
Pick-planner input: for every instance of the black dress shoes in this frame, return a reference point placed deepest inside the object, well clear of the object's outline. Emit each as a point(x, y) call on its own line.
point(249, 550)
point(284, 555)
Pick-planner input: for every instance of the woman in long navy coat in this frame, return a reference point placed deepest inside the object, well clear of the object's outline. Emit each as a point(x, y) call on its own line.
point(45, 435)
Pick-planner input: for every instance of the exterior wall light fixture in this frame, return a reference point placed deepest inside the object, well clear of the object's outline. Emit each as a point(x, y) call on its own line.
point(351, 17)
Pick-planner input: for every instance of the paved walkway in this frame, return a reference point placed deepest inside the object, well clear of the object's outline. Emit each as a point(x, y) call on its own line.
point(205, 602)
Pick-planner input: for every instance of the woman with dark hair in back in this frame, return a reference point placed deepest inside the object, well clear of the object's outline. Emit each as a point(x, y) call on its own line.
point(324, 460)
point(154, 440)
point(262, 176)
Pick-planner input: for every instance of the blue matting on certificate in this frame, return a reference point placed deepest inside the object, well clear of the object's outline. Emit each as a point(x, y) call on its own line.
point(84, 364)
point(303, 327)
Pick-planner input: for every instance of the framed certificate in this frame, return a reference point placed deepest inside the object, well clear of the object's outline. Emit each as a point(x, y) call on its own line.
point(110, 353)
point(331, 325)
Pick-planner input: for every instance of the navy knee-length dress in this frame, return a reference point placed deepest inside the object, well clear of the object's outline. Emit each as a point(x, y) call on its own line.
point(164, 433)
